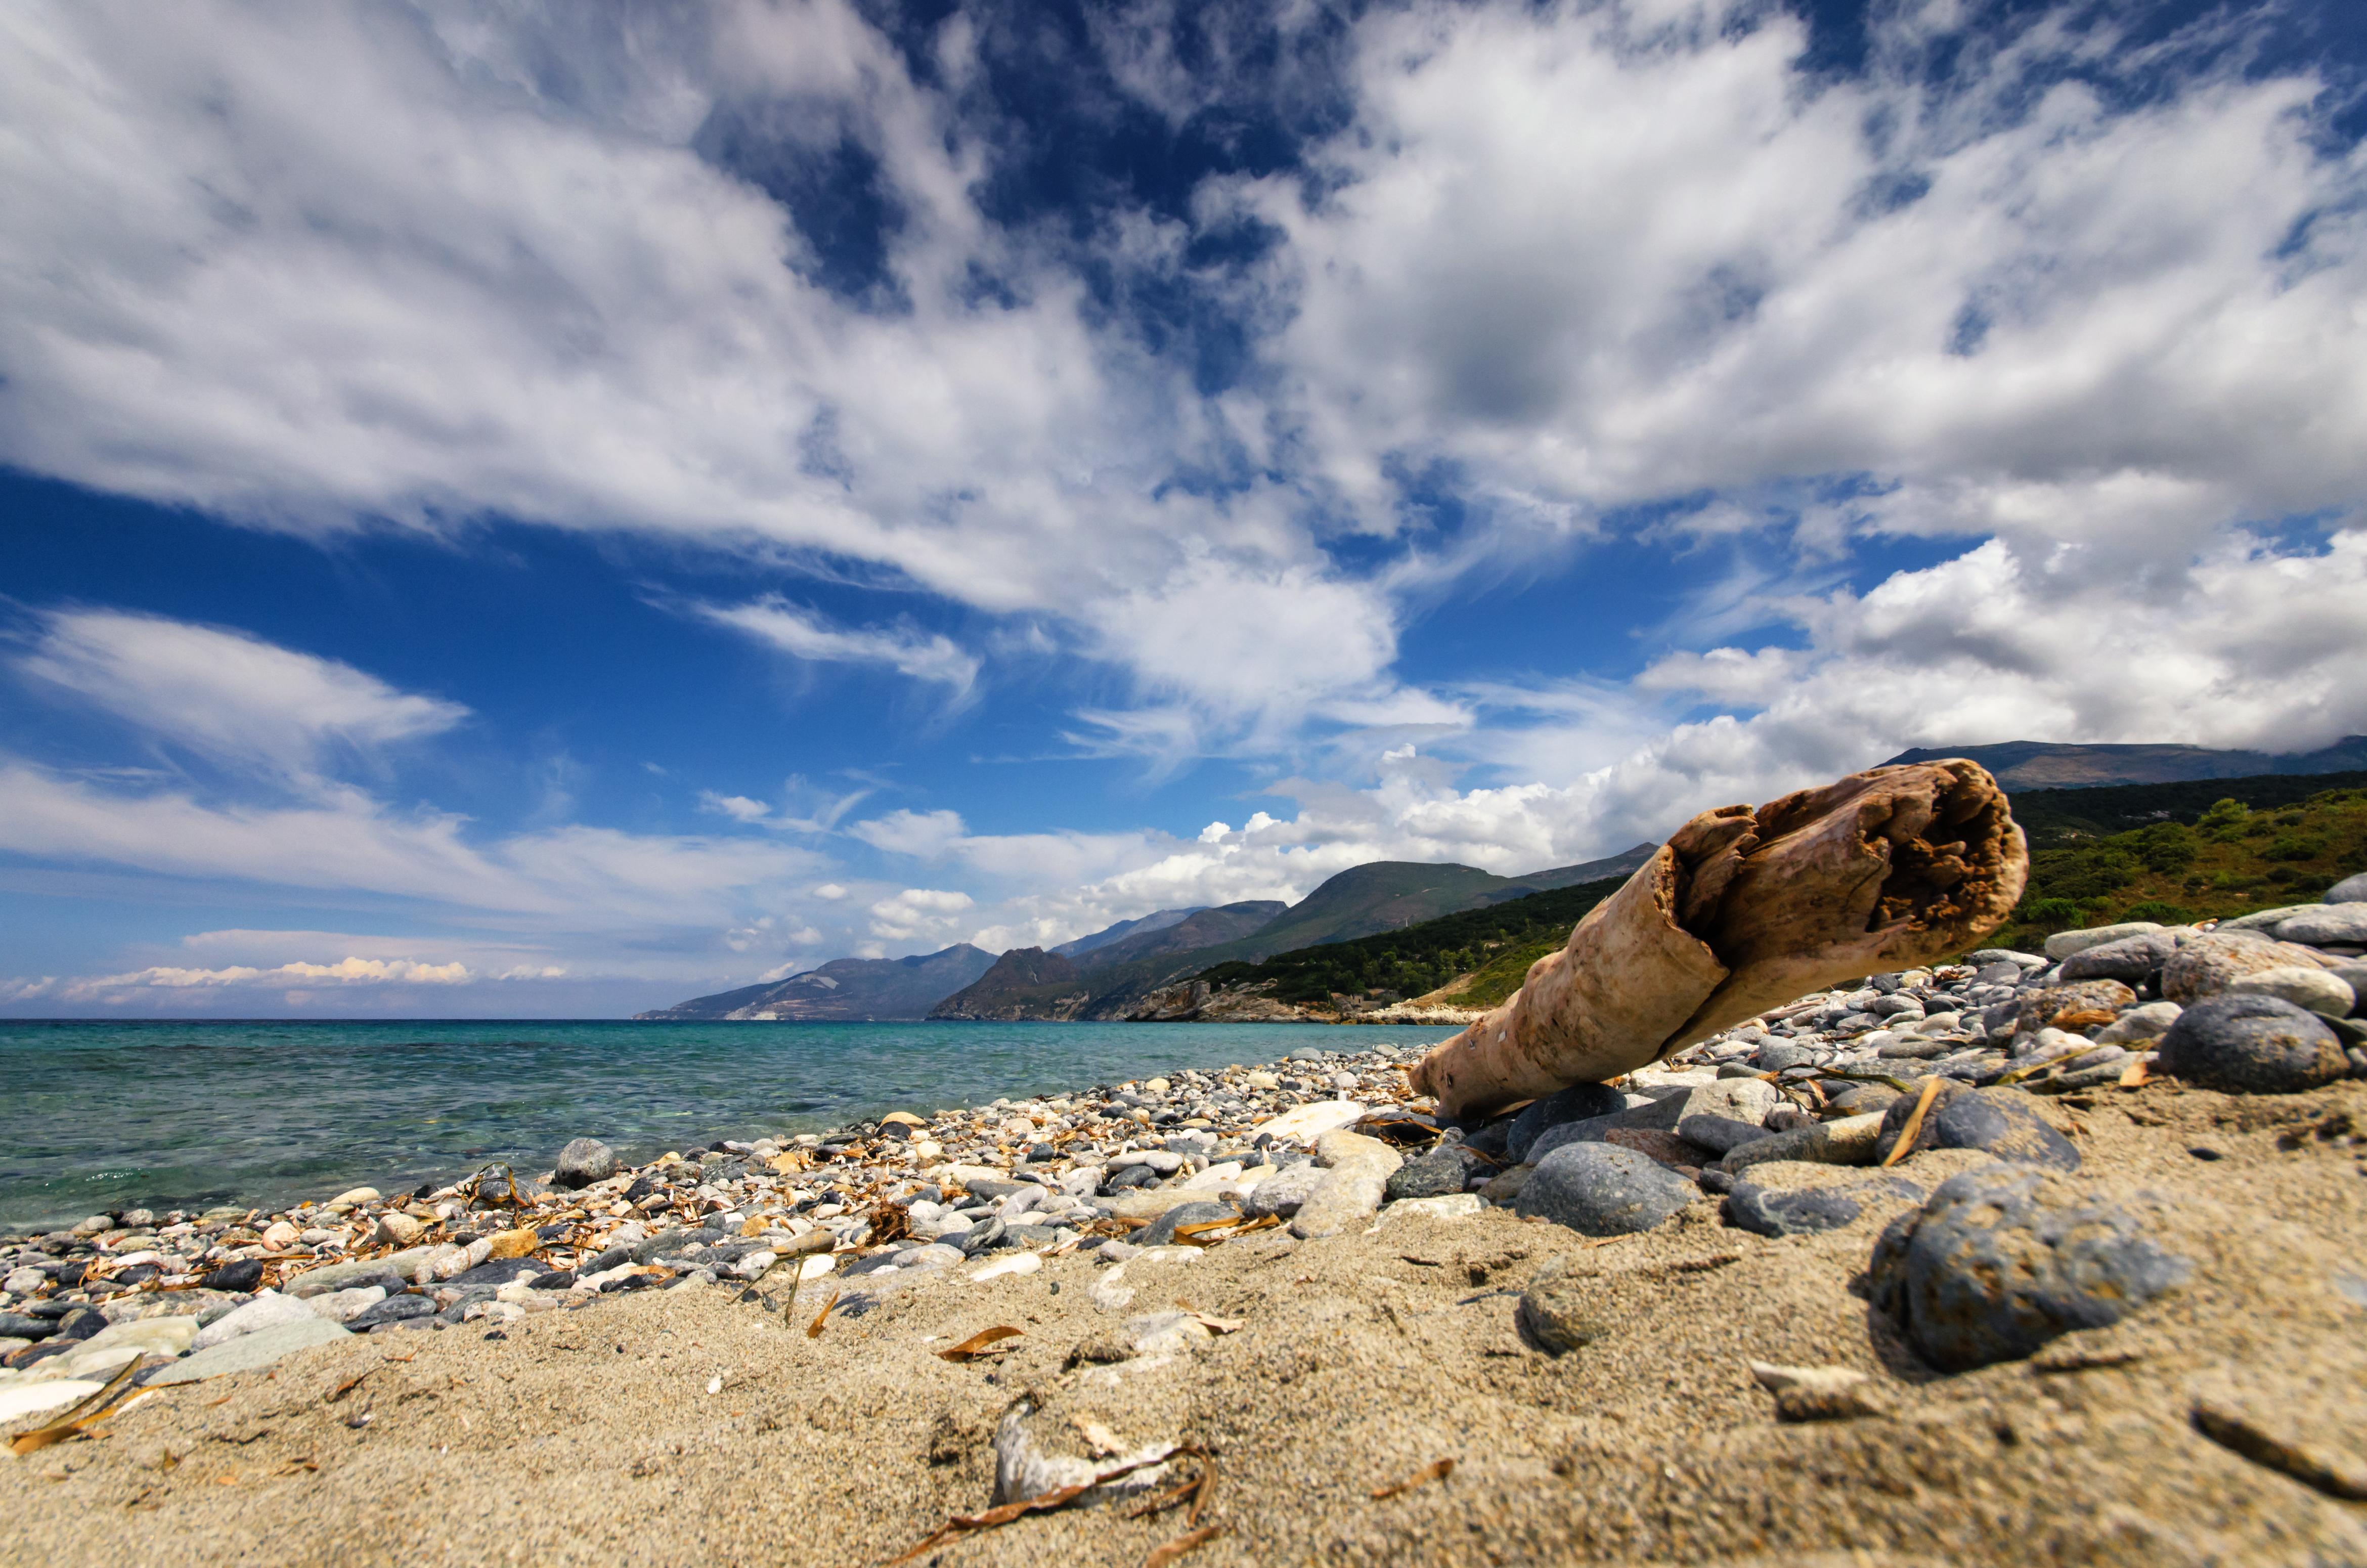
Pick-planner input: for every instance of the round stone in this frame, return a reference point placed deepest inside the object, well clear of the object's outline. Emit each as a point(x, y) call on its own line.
point(1160, 1232)
point(2006, 1257)
point(1558, 1313)
point(2207, 961)
point(1601, 1190)
point(2350, 889)
point(2251, 1045)
point(1445, 1170)
point(584, 1162)
point(1577, 1102)
point(2002, 1122)
point(2312, 990)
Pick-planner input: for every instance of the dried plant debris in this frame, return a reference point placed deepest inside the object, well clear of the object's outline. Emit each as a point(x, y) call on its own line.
point(986, 1341)
point(77, 1421)
point(2333, 1471)
point(1436, 1470)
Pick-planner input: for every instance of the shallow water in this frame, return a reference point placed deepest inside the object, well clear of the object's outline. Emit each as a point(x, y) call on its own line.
point(97, 1116)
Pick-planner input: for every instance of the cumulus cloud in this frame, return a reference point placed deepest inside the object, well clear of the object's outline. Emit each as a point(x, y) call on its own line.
point(918, 914)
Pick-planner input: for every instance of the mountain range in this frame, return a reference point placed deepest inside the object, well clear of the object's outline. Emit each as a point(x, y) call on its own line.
point(1104, 974)
point(2050, 765)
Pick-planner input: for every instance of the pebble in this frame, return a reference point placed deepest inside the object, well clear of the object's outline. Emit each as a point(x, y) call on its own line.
point(1579, 1102)
point(2252, 1045)
point(2330, 923)
point(2064, 944)
point(269, 1309)
point(1160, 1232)
point(2207, 961)
point(1600, 1189)
point(1444, 1170)
point(2133, 961)
point(1283, 1193)
point(1849, 1141)
point(1357, 1178)
point(582, 1162)
point(250, 1352)
point(2312, 990)
point(1804, 1212)
point(2006, 1257)
point(1561, 1310)
point(2003, 1122)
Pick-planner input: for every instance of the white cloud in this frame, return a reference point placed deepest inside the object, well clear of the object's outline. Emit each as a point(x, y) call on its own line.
point(918, 914)
point(1591, 256)
point(346, 972)
point(802, 634)
point(229, 696)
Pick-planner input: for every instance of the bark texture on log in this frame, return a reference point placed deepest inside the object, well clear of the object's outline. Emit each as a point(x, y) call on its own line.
point(1742, 911)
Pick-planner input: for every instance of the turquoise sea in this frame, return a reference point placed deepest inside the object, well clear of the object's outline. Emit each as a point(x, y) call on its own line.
point(97, 1116)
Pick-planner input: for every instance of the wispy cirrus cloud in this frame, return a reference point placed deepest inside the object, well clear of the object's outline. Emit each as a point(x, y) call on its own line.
point(226, 695)
point(801, 633)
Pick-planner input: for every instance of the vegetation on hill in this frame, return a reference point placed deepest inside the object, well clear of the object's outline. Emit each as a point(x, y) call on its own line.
point(1419, 957)
point(2228, 860)
point(2054, 818)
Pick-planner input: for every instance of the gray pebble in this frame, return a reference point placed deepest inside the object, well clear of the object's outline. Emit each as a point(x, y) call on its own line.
point(1601, 1190)
point(2251, 1044)
point(2002, 1122)
point(2006, 1257)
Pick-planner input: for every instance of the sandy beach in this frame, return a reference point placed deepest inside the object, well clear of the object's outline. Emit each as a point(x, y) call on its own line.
point(592, 1436)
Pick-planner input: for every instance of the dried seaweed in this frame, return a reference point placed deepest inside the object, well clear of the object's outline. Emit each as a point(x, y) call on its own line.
point(1914, 1124)
point(1208, 1232)
point(1162, 1556)
point(985, 1342)
point(1196, 1491)
point(1436, 1470)
point(962, 1525)
point(813, 1329)
point(74, 1422)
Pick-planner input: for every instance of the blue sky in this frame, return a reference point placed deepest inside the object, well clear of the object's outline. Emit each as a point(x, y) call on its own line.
point(535, 511)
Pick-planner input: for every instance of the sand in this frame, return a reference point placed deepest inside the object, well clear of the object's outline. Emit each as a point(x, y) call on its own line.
point(590, 1437)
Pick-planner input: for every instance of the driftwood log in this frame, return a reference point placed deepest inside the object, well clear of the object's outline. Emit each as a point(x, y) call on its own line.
point(1742, 911)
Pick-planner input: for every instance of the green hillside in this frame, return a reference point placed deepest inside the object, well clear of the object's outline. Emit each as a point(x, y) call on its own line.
point(2054, 818)
point(1420, 958)
point(2227, 860)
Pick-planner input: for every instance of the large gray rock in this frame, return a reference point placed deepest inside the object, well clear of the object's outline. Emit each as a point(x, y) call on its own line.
point(2350, 889)
point(2318, 990)
point(2251, 1045)
point(2345, 922)
point(1601, 1190)
point(584, 1162)
point(269, 1309)
point(250, 1352)
point(2064, 944)
point(2131, 960)
point(2207, 961)
point(2003, 1122)
point(2004, 1258)
point(1579, 1102)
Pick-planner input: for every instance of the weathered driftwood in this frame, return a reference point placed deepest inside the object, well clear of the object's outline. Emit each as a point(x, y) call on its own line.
point(1742, 911)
